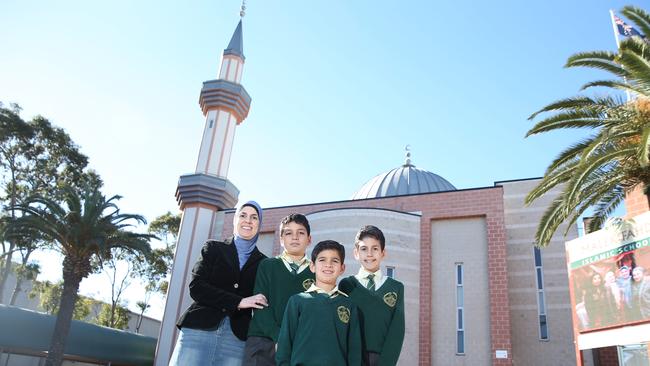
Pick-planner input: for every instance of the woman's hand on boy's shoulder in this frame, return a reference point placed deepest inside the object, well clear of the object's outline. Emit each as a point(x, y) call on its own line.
point(253, 302)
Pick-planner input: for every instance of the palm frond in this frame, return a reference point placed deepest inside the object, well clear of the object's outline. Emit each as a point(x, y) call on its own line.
point(615, 84)
point(550, 221)
point(568, 120)
point(644, 147)
point(576, 184)
point(603, 60)
point(579, 103)
point(609, 203)
point(601, 186)
point(639, 68)
point(640, 17)
point(550, 181)
point(569, 154)
point(634, 44)
point(596, 144)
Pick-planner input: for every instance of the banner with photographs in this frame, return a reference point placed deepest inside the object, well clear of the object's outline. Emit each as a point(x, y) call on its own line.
point(609, 273)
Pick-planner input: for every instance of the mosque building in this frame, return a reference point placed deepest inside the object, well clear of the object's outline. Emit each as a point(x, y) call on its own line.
point(477, 292)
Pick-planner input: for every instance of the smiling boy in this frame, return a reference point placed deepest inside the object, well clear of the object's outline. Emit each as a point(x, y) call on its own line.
point(278, 279)
point(379, 298)
point(320, 325)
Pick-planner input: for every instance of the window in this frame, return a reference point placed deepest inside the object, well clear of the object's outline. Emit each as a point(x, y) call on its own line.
point(538, 257)
point(460, 310)
point(390, 271)
point(541, 297)
point(211, 122)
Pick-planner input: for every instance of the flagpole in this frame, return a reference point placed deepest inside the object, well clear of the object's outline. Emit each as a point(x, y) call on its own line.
point(618, 42)
point(618, 46)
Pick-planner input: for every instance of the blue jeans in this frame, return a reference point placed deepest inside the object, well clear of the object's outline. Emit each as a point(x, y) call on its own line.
point(196, 347)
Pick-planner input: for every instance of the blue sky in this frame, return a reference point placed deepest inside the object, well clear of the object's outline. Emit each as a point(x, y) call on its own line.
point(338, 87)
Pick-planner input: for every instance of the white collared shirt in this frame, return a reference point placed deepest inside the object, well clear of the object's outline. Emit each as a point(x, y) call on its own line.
point(362, 277)
point(287, 260)
point(334, 293)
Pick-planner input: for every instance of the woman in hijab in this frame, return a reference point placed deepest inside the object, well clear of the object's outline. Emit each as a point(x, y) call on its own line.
point(213, 329)
point(595, 301)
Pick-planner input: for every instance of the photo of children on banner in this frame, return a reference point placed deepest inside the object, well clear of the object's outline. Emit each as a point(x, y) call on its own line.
point(613, 291)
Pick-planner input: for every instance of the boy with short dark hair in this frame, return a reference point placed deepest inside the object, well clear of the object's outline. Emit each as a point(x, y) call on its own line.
point(380, 300)
point(278, 279)
point(321, 325)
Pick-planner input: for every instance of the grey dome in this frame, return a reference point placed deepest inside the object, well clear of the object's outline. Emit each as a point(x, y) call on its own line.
point(407, 179)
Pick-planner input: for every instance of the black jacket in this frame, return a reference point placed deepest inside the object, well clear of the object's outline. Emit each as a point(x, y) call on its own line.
point(217, 287)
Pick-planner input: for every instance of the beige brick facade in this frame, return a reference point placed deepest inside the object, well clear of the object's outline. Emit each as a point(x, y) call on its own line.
point(521, 223)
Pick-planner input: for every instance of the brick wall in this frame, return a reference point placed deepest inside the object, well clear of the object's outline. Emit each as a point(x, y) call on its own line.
point(636, 202)
point(607, 356)
point(483, 202)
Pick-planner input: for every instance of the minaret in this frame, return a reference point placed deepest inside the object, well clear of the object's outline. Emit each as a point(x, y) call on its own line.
point(225, 104)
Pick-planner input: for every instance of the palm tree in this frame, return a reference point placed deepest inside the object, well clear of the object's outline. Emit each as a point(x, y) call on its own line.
point(142, 306)
point(83, 231)
point(598, 171)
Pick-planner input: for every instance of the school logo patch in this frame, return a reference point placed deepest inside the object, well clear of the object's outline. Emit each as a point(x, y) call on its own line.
point(344, 314)
point(390, 299)
point(306, 284)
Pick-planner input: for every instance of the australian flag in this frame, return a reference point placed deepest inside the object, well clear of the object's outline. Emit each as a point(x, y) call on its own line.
point(625, 29)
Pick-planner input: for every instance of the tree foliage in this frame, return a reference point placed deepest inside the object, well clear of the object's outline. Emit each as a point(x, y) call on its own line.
point(85, 309)
point(49, 298)
point(24, 272)
point(155, 267)
point(36, 157)
point(598, 171)
point(113, 316)
point(166, 227)
point(119, 269)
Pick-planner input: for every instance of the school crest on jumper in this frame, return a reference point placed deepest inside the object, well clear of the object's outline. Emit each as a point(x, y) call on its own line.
point(390, 298)
point(344, 314)
point(306, 284)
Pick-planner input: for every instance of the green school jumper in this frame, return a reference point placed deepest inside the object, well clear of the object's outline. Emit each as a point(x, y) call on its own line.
point(277, 283)
point(382, 317)
point(319, 330)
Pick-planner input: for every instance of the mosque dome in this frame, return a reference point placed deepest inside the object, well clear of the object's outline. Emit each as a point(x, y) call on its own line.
point(403, 180)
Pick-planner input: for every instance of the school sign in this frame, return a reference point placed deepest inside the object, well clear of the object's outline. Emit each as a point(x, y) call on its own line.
point(609, 282)
point(611, 253)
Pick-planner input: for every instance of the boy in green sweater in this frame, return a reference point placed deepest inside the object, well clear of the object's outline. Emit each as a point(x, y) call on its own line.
point(278, 279)
point(380, 300)
point(321, 325)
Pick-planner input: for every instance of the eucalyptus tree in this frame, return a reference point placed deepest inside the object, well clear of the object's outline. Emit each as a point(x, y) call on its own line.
point(85, 227)
point(35, 158)
point(157, 265)
point(597, 171)
point(154, 268)
point(49, 299)
point(119, 270)
point(113, 316)
point(24, 272)
point(151, 268)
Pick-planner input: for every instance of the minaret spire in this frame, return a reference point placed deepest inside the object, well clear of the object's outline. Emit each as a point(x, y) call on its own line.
point(236, 45)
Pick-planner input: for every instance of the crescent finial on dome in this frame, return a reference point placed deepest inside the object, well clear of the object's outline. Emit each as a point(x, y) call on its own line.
point(407, 161)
